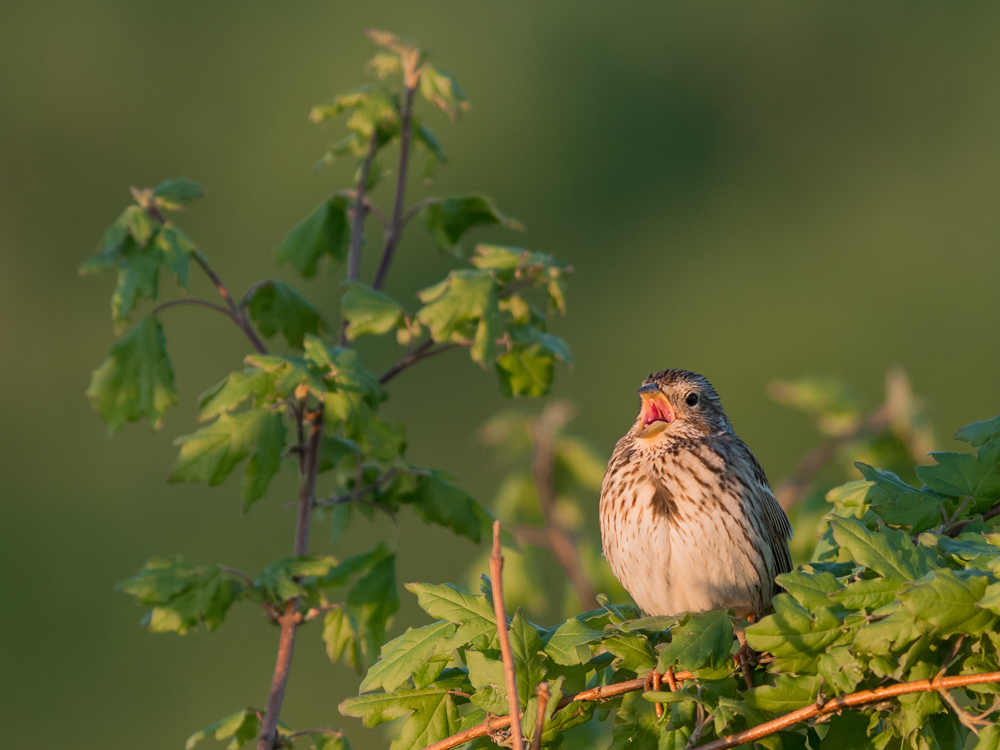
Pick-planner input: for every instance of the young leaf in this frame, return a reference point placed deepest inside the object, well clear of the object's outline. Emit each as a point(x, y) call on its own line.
point(372, 601)
point(323, 232)
point(473, 613)
point(797, 636)
point(274, 306)
point(213, 451)
point(137, 380)
point(570, 643)
point(889, 553)
point(526, 647)
point(176, 249)
point(283, 580)
point(440, 88)
point(253, 383)
point(632, 652)
point(448, 219)
point(705, 640)
point(461, 307)
point(525, 371)
point(979, 433)
point(959, 474)
point(242, 726)
point(368, 311)
point(138, 277)
point(408, 653)
point(436, 500)
point(340, 633)
point(181, 595)
point(174, 195)
point(133, 223)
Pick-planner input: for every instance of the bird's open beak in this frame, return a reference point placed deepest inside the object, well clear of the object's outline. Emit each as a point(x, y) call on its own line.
point(656, 412)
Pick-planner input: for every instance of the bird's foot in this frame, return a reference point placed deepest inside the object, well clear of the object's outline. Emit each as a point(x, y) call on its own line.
point(745, 655)
point(654, 681)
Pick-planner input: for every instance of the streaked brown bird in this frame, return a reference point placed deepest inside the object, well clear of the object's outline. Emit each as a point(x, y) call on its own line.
point(688, 520)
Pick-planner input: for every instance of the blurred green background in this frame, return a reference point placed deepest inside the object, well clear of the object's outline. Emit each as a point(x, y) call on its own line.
point(751, 192)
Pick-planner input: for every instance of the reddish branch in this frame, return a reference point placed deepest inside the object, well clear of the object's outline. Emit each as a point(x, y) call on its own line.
point(542, 693)
point(500, 613)
point(864, 697)
point(291, 618)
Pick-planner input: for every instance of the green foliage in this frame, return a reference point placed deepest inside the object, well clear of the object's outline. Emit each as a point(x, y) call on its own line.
point(324, 232)
point(880, 603)
point(276, 307)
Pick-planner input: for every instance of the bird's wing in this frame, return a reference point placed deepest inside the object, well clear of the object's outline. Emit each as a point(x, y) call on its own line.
point(777, 528)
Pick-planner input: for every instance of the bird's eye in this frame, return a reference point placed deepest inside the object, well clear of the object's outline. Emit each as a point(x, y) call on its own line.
point(692, 399)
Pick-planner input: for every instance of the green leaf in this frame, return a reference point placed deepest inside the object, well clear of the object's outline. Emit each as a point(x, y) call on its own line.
point(899, 503)
point(944, 603)
point(340, 633)
point(137, 380)
point(473, 613)
point(989, 738)
point(797, 636)
point(979, 433)
point(889, 553)
point(464, 306)
point(868, 594)
point(176, 249)
point(373, 600)
point(570, 643)
point(213, 451)
point(242, 726)
point(133, 222)
point(885, 637)
point(369, 311)
point(282, 580)
point(840, 670)
point(440, 88)
point(632, 652)
point(526, 650)
point(408, 653)
point(174, 195)
point(448, 219)
point(138, 278)
point(525, 371)
point(530, 335)
point(352, 391)
point(959, 474)
point(705, 640)
point(431, 710)
point(487, 677)
point(809, 589)
point(237, 387)
point(181, 594)
point(274, 306)
point(323, 232)
point(436, 500)
point(373, 108)
point(636, 726)
point(787, 693)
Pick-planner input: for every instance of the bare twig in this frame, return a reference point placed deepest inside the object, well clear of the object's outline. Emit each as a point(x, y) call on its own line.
point(861, 698)
point(500, 613)
point(559, 540)
point(423, 351)
point(496, 723)
point(358, 214)
point(411, 77)
point(238, 315)
point(416, 208)
point(238, 574)
point(291, 618)
point(194, 301)
point(542, 693)
point(370, 205)
point(327, 732)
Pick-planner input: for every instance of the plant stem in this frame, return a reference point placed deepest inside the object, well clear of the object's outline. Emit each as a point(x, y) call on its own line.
point(421, 352)
point(238, 315)
point(542, 693)
point(500, 613)
point(395, 230)
point(358, 214)
point(290, 618)
point(194, 301)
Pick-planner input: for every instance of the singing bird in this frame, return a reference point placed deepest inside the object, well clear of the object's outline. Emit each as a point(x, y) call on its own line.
point(688, 520)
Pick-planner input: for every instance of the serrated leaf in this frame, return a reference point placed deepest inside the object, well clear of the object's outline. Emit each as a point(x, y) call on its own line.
point(944, 603)
point(324, 232)
point(132, 223)
point(274, 306)
point(989, 738)
point(868, 594)
point(797, 636)
point(889, 553)
point(530, 335)
point(242, 726)
point(432, 712)
point(175, 194)
point(368, 311)
point(473, 613)
point(136, 381)
point(959, 474)
point(182, 595)
point(897, 502)
point(525, 371)
point(570, 643)
point(230, 393)
point(352, 392)
point(213, 451)
point(526, 650)
point(177, 250)
point(787, 693)
point(884, 637)
point(636, 726)
point(632, 652)
point(979, 433)
point(138, 278)
point(282, 580)
point(449, 218)
point(705, 640)
point(340, 634)
point(809, 589)
point(373, 600)
point(408, 653)
point(440, 88)
point(464, 306)
point(435, 500)
point(487, 676)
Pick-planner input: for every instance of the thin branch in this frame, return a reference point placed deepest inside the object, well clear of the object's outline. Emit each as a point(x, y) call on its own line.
point(291, 618)
point(542, 693)
point(370, 205)
point(327, 732)
point(358, 214)
point(354, 494)
point(956, 528)
point(416, 208)
point(861, 698)
point(423, 351)
point(411, 77)
point(500, 613)
point(239, 574)
point(194, 301)
point(560, 543)
point(601, 693)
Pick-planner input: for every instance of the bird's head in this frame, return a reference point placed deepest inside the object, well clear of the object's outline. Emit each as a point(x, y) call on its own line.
point(678, 404)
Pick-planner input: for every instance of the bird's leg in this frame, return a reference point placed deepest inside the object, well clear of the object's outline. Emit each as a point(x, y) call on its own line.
point(742, 657)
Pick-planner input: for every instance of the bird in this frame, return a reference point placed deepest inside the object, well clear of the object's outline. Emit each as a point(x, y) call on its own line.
point(688, 519)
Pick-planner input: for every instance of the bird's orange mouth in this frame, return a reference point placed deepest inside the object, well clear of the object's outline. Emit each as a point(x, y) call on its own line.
point(656, 409)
